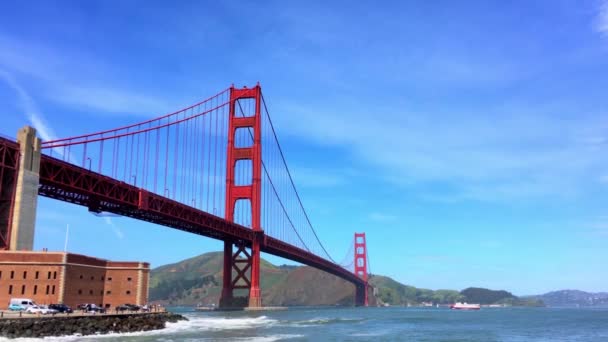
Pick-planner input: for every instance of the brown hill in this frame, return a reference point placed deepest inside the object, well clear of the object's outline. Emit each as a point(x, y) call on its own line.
point(198, 280)
point(309, 286)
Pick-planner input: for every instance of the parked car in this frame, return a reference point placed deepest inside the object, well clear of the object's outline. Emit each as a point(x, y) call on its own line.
point(16, 307)
point(48, 309)
point(37, 309)
point(23, 302)
point(61, 308)
point(127, 307)
point(93, 308)
point(145, 308)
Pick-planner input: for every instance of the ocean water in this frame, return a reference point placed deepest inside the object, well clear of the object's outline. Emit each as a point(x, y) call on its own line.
point(378, 324)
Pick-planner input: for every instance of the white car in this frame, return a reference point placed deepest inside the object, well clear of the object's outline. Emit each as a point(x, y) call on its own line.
point(47, 309)
point(37, 309)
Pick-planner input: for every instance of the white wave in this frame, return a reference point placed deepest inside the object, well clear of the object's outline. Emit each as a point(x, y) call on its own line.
point(222, 323)
point(369, 334)
point(321, 320)
point(270, 338)
point(194, 324)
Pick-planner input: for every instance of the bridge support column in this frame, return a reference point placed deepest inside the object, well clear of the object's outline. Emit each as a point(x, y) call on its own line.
point(361, 296)
point(26, 193)
point(251, 122)
point(226, 297)
point(237, 275)
point(255, 296)
point(361, 268)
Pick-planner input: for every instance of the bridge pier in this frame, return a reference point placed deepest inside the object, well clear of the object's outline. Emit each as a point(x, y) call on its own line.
point(226, 297)
point(241, 272)
point(361, 296)
point(255, 295)
point(26, 191)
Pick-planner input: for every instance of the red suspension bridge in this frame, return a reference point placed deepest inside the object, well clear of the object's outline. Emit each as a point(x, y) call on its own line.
point(215, 168)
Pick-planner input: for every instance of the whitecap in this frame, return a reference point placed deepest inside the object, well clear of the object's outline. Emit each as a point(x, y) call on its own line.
point(322, 321)
point(194, 324)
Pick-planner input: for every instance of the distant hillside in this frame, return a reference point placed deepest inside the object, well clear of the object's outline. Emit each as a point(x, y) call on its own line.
point(485, 296)
point(573, 298)
point(198, 281)
point(394, 293)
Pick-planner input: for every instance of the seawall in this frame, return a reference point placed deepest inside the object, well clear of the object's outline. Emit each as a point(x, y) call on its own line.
point(84, 324)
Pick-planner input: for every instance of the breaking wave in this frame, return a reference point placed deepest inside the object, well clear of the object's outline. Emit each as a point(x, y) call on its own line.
point(192, 326)
point(322, 321)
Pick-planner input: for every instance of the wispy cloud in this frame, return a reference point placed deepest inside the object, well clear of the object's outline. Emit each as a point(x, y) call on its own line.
point(326, 178)
point(382, 217)
point(108, 99)
point(508, 152)
point(116, 229)
point(29, 107)
point(76, 79)
point(602, 19)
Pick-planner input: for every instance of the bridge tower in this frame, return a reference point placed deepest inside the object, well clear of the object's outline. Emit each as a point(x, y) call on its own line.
point(361, 268)
point(26, 191)
point(241, 261)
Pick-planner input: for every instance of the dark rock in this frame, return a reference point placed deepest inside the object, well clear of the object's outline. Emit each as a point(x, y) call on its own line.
point(84, 325)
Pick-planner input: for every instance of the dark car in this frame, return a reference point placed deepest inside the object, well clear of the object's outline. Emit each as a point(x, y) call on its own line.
point(93, 308)
point(61, 308)
point(127, 307)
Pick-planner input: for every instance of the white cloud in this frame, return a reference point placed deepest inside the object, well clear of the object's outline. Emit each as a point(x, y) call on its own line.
point(326, 178)
point(108, 100)
point(29, 107)
point(33, 114)
point(117, 231)
point(602, 19)
point(73, 78)
point(382, 217)
point(508, 152)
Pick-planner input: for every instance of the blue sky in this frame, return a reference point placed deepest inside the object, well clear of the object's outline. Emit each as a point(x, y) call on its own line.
point(467, 139)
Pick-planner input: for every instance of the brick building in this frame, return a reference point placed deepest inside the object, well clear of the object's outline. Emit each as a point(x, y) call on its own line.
point(72, 279)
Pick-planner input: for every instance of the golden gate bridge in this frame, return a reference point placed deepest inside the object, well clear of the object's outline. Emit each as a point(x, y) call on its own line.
point(215, 169)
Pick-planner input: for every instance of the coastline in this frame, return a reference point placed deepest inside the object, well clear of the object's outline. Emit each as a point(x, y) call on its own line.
point(84, 324)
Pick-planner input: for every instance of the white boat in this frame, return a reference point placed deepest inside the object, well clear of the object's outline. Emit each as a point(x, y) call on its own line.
point(465, 306)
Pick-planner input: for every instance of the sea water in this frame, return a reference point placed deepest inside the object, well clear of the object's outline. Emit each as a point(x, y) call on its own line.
point(378, 324)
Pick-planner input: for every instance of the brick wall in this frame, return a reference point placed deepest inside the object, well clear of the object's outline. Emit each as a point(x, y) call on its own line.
point(25, 275)
point(83, 279)
point(84, 284)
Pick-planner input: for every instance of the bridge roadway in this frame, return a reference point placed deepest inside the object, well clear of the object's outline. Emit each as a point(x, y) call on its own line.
point(70, 183)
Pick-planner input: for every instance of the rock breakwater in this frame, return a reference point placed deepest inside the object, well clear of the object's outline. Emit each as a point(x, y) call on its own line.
point(84, 325)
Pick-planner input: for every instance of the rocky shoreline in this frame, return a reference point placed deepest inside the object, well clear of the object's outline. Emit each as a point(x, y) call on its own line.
point(85, 325)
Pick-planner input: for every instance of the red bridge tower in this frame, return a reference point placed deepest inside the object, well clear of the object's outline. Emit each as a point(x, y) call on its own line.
point(361, 268)
point(241, 261)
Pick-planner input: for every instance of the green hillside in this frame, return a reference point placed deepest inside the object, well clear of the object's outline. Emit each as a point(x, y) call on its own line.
point(198, 281)
point(394, 293)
